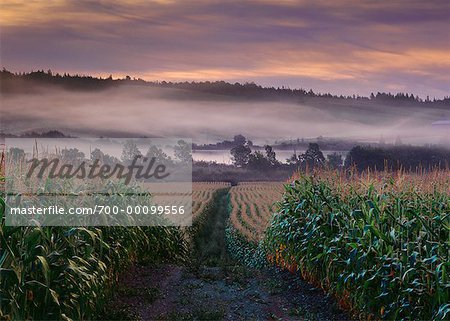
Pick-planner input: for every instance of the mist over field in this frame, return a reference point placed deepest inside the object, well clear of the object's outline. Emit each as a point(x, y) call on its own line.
point(167, 112)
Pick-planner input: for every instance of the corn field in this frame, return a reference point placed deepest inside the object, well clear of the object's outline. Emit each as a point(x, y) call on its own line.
point(252, 206)
point(379, 242)
point(202, 195)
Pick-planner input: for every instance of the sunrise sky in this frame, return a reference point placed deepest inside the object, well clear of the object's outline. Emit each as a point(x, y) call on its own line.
point(348, 47)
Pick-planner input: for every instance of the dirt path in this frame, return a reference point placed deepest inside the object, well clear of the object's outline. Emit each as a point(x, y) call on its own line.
point(169, 292)
point(212, 287)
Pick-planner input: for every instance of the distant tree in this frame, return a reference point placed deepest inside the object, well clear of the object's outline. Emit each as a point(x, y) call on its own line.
point(257, 160)
point(72, 154)
point(313, 157)
point(334, 160)
point(240, 155)
point(130, 151)
point(97, 154)
point(103, 158)
point(365, 157)
point(158, 154)
point(271, 155)
point(294, 159)
point(53, 134)
point(396, 157)
point(239, 140)
point(183, 151)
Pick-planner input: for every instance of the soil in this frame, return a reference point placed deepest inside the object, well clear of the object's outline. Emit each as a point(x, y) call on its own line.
point(222, 293)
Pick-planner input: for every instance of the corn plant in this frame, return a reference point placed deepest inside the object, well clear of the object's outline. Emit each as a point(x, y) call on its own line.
point(381, 246)
point(54, 273)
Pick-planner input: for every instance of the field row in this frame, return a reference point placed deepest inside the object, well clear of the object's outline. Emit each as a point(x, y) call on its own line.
point(252, 206)
point(202, 194)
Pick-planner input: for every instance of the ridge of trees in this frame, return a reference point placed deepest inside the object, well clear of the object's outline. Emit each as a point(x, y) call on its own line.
point(34, 134)
point(245, 90)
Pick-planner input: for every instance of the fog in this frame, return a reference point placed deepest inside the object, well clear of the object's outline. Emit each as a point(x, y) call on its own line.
point(153, 112)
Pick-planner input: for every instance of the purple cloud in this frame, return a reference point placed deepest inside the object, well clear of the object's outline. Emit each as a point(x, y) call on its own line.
point(350, 47)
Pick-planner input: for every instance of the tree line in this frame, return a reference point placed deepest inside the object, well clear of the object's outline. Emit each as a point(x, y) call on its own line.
point(243, 90)
point(409, 158)
point(182, 154)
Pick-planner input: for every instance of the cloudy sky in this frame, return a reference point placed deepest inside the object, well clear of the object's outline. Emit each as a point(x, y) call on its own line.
point(348, 46)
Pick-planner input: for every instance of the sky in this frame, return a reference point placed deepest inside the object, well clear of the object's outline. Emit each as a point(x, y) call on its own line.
point(342, 47)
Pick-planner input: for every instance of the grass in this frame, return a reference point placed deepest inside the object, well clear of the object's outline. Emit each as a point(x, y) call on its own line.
point(208, 233)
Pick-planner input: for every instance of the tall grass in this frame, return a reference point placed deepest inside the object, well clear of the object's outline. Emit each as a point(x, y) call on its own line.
point(380, 242)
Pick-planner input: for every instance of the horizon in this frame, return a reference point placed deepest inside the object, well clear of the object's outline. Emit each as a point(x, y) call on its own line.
point(280, 87)
point(347, 48)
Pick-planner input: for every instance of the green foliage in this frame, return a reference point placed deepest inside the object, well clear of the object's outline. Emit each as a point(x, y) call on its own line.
point(258, 160)
point(49, 273)
point(207, 233)
point(397, 157)
point(271, 155)
point(334, 160)
point(312, 158)
point(240, 155)
point(241, 249)
point(384, 253)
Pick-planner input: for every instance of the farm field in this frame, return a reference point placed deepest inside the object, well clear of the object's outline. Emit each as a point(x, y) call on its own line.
point(202, 195)
point(252, 206)
point(225, 160)
point(392, 231)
